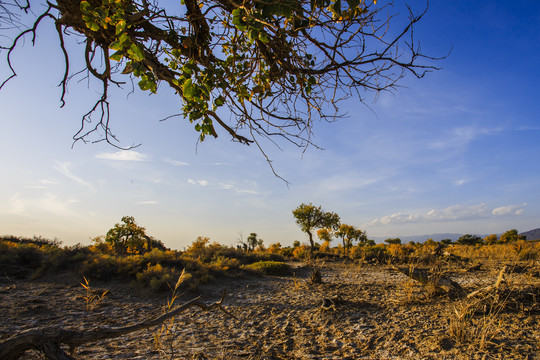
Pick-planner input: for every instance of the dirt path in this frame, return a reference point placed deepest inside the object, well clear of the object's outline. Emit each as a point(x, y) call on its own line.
point(372, 313)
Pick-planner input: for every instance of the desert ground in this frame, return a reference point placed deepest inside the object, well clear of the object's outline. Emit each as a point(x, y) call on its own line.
point(357, 311)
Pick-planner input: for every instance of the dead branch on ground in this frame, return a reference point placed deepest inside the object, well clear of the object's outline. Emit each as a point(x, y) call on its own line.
point(48, 340)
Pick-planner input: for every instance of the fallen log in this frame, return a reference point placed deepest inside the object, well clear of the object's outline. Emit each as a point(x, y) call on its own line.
point(48, 340)
point(427, 278)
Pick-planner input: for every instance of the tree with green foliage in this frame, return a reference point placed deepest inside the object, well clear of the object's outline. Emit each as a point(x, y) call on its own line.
point(393, 241)
point(349, 234)
point(469, 239)
point(511, 236)
point(276, 66)
point(491, 239)
point(325, 234)
point(253, 242)
point(310, 217)
point(129, 238)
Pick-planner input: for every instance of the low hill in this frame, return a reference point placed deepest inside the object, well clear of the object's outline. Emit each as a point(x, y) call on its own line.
point(532, 234)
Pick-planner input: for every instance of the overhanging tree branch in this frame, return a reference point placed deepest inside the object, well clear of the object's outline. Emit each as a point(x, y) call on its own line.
point(274, 65)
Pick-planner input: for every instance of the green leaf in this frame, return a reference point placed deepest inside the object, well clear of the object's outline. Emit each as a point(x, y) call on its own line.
point(117, 56)
point(263, 37)
point(137, 52)
point(188, 89)
point(219, 101)
point(120, 26)
point(117, 45)
point(85, 6)
point(94, 26)
point(144, 84)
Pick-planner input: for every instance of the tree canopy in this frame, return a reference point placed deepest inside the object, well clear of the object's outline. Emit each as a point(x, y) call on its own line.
point(349, 234)
point(310, 217)
point(254, 69)
point(129, 238)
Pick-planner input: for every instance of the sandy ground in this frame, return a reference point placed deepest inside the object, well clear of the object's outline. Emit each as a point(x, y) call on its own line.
point(372, 313)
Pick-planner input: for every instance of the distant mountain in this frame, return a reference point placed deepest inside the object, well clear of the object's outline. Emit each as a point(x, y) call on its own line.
point(532, 234)
point(422, 238)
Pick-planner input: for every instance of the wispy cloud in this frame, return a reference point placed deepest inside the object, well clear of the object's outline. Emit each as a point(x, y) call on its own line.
point(345, 182)
point(462, 136)
point(15, 204)
point(48, 203)
point(509, 209)
point(247, 188)
point(219, 164)
point(176, 162)
point(460, 182)
point(64, 169)
point(149, 202)
point(123, 155)
point(198, 182)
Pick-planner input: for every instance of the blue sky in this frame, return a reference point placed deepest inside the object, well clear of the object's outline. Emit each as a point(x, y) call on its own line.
point(457, 151)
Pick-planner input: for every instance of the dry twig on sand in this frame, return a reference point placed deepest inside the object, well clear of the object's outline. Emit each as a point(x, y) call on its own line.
point(49, 340)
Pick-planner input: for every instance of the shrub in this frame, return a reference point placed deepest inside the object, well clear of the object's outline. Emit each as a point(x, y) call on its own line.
point(275, 268)
point(302, 252)
point(159, 277)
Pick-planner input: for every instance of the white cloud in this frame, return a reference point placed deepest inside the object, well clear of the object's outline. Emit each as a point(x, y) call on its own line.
point(63, 168)
point(509, 209)
point(198, 182)
point(397, 218)
point(451, 213)
point(457, 212)
point(176, 162)
point(123, 155)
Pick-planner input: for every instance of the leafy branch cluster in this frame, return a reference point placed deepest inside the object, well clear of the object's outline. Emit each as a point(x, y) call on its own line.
point(275, 65)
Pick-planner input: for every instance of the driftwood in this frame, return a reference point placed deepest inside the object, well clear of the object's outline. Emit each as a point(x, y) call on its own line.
point(490, 288)
point(49, 340)
point(427, 278)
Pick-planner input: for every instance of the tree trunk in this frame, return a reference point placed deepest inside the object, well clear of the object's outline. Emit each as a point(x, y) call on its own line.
point(311, 241)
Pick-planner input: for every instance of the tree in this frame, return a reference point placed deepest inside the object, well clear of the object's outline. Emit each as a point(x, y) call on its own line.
point(325, 235)
point(393, 241)
point(468, 239)
point(275, 65)
point(310, 217)
point(511, 236)
point(349, 234)
point(128, 237)
point(490, 239)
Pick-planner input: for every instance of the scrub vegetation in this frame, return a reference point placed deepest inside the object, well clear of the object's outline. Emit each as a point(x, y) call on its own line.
point(472, 298)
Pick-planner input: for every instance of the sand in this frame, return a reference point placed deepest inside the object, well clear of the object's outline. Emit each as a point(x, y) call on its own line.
point(370, 312)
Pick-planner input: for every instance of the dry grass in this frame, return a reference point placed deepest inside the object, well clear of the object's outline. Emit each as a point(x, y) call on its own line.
point(92, 298)
point(164, 336)
point(477, 323)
